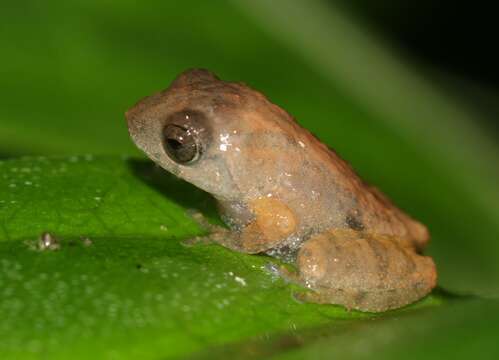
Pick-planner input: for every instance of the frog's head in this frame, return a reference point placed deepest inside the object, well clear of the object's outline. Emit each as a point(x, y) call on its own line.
point(207, 131)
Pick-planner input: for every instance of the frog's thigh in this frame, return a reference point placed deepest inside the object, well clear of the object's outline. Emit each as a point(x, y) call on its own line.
point(364, 272)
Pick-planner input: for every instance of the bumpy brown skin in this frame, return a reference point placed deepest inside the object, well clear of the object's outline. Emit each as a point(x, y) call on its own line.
point(285, 193)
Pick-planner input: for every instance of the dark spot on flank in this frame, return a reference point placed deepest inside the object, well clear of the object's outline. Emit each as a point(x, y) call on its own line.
point(360, 297)
point(354, 222)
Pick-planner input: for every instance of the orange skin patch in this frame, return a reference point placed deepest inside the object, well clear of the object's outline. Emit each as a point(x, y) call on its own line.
point(273, 222)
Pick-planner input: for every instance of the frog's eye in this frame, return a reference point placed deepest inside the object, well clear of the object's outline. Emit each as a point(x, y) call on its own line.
point(181, 143)
point(185, 136)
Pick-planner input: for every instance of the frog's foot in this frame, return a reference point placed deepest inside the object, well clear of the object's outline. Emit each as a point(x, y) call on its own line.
point(286, 273)
point(197, 240)
point(214, 231)
point(216, 234)
point(363, 271)
point(202, 221)
point(324, 297)
point(302, 295)
point(311, 296)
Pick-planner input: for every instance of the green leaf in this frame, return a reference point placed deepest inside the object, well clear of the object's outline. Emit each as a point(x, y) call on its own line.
point(462, 329)
point(135, 291)
point(92, 65)
point(70, 70)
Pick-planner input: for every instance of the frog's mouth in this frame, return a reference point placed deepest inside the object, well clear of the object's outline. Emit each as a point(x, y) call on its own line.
point(210, 174)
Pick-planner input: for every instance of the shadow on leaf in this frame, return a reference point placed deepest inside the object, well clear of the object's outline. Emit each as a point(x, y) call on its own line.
point(181, 192)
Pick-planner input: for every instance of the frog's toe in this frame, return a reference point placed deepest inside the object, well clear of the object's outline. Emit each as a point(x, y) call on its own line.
point(196, 240)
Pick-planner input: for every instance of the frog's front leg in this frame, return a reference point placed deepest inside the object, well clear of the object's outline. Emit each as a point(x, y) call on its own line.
point(272, 222)
point(363, 271)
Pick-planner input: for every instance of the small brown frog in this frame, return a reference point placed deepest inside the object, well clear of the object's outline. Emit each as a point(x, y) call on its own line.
point(284, 193)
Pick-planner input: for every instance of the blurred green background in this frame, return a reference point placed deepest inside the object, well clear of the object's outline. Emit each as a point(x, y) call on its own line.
point(415, 124)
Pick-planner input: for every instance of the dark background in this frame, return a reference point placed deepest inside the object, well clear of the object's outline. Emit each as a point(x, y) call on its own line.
point(458, 39)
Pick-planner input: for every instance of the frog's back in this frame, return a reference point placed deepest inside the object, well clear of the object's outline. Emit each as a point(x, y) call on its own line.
point(360, 206)
point(356, 205)
point(366, 207)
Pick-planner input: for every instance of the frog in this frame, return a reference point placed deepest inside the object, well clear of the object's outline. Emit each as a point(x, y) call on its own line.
point(283, 193)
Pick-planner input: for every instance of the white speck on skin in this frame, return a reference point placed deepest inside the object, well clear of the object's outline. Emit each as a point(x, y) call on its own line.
point(224, 139)
point(302, 144)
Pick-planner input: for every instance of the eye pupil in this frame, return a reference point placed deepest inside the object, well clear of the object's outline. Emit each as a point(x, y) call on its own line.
point(174, 144)
point(180, 144)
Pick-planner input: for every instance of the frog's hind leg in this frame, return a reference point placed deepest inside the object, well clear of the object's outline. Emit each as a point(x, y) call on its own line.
point(364, 271)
